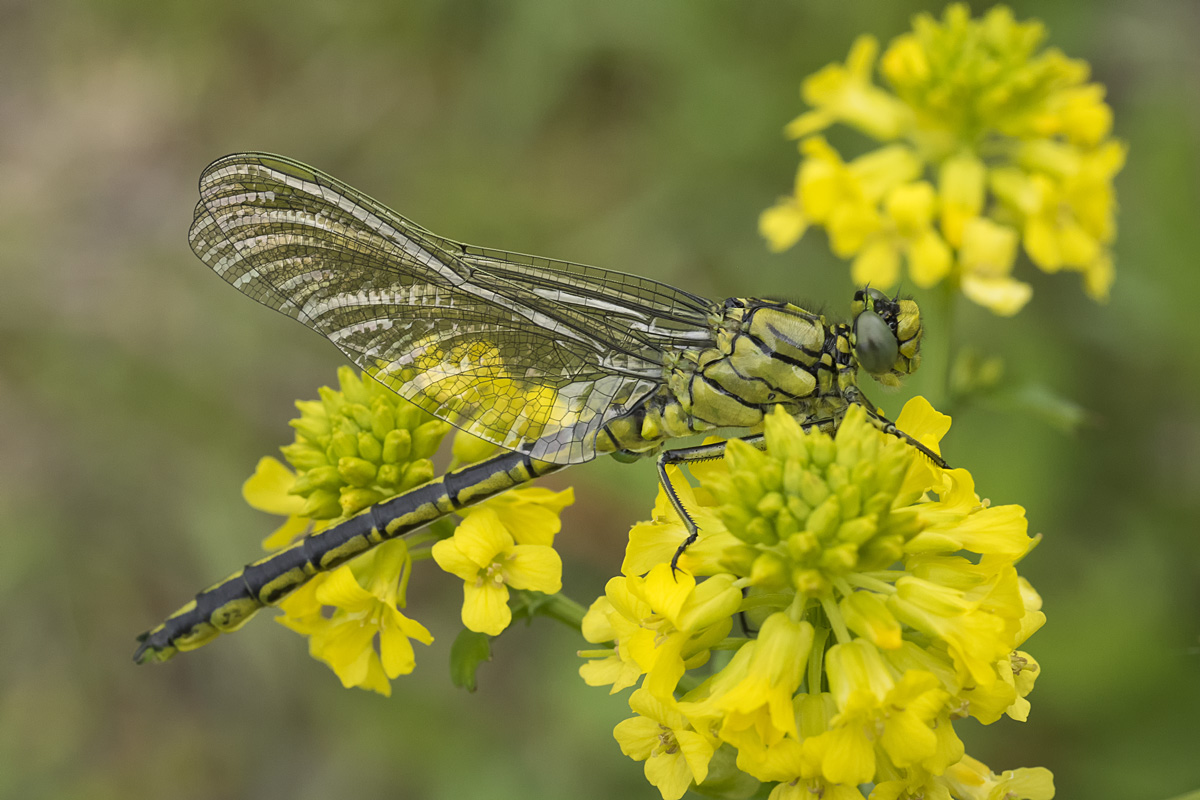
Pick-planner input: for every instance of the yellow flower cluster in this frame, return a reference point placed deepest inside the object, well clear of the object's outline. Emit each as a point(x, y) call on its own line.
point(880, 600)
point(363, 444)
point(990, 143)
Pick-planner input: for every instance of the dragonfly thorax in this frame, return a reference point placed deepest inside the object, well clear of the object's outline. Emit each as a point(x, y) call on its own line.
point(765, 353)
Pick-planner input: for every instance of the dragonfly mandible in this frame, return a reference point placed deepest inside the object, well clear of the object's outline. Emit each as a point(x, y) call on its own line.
point(557, 363)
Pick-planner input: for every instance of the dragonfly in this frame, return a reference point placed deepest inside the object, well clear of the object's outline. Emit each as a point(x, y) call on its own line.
point(555, 362)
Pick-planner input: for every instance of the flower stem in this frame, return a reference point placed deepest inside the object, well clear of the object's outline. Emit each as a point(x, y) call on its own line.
point(564, 609)
point(946, 349)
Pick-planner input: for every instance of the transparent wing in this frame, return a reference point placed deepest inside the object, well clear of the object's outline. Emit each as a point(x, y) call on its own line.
point(532, 354)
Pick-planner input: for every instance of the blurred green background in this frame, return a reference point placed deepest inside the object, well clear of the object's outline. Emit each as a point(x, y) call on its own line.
point(137, 390)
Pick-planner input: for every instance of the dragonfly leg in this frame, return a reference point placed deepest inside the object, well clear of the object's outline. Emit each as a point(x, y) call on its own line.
point(882, 423)
point(690, 455)
point(704, 452)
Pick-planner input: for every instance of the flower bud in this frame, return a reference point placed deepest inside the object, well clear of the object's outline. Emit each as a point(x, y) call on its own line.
point(427, 437)
point(416, 473)
point(356, 471)
point(369, 447)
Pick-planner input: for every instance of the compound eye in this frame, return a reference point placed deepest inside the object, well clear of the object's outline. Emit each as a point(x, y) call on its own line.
point(875, 344)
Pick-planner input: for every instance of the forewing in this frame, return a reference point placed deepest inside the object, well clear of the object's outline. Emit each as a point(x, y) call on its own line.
point(481, 339)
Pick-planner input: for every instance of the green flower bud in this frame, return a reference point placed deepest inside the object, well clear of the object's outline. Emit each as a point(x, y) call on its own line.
point(332, 400)
point(881, 552)
point(837, 476)
point(865, 475)
point(736, 517)
point(770, 571)
point(390, 475)
point(427, 437)
point(383, 418)
point(356, 471)
point(369, 447)
point(771, 475)
point(878, 503)
point(743, 457)
point(824, 451)
point(304, 456)
point(812, 489)
point(469, 449)
point(311, 429)
point(311, 408)
point(355, 500)
point(850, 496)
point(760, 531)
point(809, 581)
point(770, 504)
point(793, 477)
point(739, 559)
point(410, 416)
point(322, 504)
point(342, 444)
point(361, 416)
point(802, 545)
point(324, 477)
point(416, 473)
point(397, 446)
point(857, 530)
point(347, 425)
point(825, 518)
point(749, 487)
point(353, 387)
point(798, 509)
point(839, 559)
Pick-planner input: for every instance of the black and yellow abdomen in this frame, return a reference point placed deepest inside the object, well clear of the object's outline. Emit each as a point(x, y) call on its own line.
point(229, 604)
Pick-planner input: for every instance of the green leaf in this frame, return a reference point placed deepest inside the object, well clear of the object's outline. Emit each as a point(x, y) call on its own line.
point(470, 649)
point(1047, 405)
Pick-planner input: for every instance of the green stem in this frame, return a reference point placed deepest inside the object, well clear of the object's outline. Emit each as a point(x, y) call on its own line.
point(946, 350)
point(564, 609)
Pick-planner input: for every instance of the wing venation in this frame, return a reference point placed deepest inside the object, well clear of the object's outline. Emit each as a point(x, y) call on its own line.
point(529, 353)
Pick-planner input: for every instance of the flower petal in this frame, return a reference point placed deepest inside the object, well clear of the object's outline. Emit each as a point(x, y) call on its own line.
point(485, 608)
point(535, 567)
point(267, 489)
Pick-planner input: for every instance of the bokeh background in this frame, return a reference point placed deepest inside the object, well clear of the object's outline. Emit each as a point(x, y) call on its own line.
point(137, 391)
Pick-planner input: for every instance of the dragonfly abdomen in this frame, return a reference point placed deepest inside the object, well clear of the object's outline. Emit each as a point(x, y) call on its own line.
point(229, 604)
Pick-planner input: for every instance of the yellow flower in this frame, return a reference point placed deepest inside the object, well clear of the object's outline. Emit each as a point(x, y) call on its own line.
point(898, 715)
point(676, 756)
point(986, 260)
point(483, 553)
point(752, 696)
point(1070, 222)
point(345, 637)
point(529, 513)
point(783, 224)
point(269, 490)
point(662, 625)
point(853, 538)
point(1011, 136)
point(972, 780)
point(843, 197)
point(656, 541)
point(907, 230)
point(845, 94)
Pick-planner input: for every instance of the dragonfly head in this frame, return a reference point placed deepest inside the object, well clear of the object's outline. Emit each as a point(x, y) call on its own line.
point(886, 335)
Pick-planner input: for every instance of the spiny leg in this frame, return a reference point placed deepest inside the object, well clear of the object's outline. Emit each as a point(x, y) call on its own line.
point(705, 452)
point(885, 425)
point(690, 455)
